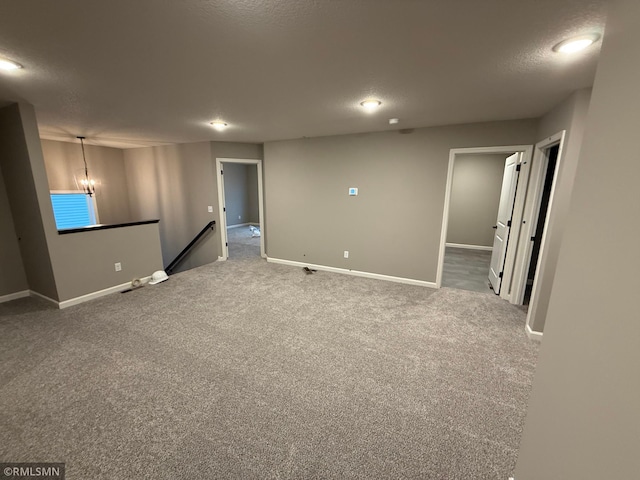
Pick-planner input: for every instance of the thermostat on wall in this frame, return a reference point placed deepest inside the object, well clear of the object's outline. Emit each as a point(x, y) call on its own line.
point(353, 191)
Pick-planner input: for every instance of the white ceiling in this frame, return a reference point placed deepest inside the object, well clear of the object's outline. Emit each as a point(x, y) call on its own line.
point(129, 73)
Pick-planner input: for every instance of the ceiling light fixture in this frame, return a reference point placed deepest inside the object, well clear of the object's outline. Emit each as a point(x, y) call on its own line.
point(219, 125)
point(85, 182)
point(370, 105)
point(9, 65)
point(573, 45)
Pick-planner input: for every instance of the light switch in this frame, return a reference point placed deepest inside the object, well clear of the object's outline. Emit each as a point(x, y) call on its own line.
point(210, 209)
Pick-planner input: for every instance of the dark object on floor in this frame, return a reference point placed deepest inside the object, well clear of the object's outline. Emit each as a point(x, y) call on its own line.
point(309, 271)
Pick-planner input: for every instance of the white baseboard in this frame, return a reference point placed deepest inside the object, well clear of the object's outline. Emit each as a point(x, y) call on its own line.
point(44, 297)
point(532, 334)
point(469, 247)
point(100, 293)
point(76, 300)
point(14, 296)
point(356, 273)
point(255, 224)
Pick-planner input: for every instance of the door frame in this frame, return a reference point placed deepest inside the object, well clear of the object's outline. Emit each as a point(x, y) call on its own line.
point(525, 162)
point(221, 207)
point(531, 213)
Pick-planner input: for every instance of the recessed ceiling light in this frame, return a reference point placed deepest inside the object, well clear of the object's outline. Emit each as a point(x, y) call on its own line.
point(393, 121)
point(576, 44)
point(9, 65)
point(370, 105)
point(218, 125)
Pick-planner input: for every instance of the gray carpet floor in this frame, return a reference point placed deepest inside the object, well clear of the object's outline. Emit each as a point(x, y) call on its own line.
point(244, 369)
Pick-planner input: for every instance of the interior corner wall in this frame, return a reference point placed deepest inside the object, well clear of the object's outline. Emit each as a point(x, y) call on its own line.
point(475, 195)
point(27, 192)
point(63, 160)
point(393, 227)
point(571, 116)
point(12, 275)
point(583, 421)
point(176, 184)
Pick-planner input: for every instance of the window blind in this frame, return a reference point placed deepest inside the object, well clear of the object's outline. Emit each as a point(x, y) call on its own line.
point(72, 210)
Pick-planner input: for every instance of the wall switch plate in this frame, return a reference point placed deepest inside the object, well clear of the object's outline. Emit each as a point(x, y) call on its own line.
point(210, 209)
point(118, 266)
point(353, 191)
point(346, 254)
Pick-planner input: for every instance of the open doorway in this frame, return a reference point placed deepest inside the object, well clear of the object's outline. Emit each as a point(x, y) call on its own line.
point(240, 208)
point(538, 205)
point(508, 159)
point(473, 209)
point(551, 155)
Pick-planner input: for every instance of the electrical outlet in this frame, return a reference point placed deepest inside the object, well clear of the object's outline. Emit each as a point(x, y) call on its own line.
point(346, 254)
point(118, 266)
point(210, 209)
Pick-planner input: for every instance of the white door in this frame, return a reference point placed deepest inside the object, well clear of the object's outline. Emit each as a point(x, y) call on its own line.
point(503, 223)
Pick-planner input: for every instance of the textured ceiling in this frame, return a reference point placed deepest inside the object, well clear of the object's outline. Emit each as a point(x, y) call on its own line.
point(147, 72)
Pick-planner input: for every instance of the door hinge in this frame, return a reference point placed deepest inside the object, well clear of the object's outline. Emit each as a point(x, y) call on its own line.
point(501, 273)
point(509, 223)
point(221, 172)
point(226, 244)
point(224, 209)
point(533, 238)
point(518, 168)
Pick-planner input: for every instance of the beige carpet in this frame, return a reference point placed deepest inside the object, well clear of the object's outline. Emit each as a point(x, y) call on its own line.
point(243, 369)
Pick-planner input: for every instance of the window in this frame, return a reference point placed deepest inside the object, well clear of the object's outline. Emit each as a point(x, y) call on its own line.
point(73, 209)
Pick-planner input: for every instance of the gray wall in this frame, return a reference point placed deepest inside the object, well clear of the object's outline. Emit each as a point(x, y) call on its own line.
point(583, 421)
point(24, 177)
point(176, 184)
point(475, 194)
point(236, 193)
point(12, 276)
point(571, 116)
point(136, 247)
point(393, 226)
point(63, 160)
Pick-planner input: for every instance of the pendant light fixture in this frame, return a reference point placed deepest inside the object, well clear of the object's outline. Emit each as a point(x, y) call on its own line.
point(86, 183)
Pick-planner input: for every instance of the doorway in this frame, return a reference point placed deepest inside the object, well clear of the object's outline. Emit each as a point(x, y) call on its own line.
point(551, 155)
point(546, 162)
point(475, 196)
point(240, 208)
point(522, 162)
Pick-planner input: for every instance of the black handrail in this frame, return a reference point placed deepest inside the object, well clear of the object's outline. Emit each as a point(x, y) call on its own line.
point(181, 255)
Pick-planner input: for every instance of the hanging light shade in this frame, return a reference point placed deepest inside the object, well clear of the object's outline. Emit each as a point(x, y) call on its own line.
point(85, 182)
